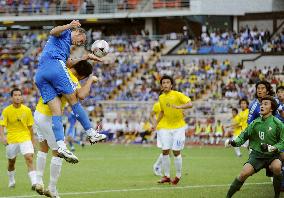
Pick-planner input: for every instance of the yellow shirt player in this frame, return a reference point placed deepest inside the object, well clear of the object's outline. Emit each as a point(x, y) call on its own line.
point(43, 125)
point(18, 121)
point(243, 115)
point(172, 127)
point(237, 128)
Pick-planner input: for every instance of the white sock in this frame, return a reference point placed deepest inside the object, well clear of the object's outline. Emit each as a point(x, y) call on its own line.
point(55, 169)
point(178, 165)
point(11, 175)
point(61, 144)
point(158, 162)
point(32, 175)
point(237, 151)
point(166, 165)
point(40, 166)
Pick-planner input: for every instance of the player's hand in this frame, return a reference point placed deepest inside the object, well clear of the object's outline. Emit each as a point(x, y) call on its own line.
point(267, 148)
point(94, 58)
point(74, 24)
point(4, 141)
point(95, 79)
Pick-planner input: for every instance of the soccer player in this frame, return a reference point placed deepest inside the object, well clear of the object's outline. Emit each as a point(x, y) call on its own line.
point(262, 89)
point(280, 101)
point(157, 167)
point(266, 139)
point(237, 128)
point(219, 131)
point(18, 121)
point(52, 80)
point(172, 127)
point(43, 127)
point(243, 115)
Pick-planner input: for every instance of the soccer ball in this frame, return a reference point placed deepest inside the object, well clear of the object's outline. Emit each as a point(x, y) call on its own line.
point(100, 48)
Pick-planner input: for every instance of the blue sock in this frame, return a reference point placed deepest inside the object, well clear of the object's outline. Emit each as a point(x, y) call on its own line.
point(57, 128)
point(81, 116)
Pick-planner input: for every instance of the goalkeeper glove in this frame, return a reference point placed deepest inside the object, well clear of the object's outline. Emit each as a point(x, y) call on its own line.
point(267, 148)
point(230, 142)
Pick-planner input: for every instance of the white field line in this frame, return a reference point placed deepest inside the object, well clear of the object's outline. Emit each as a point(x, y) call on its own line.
point(139, 189)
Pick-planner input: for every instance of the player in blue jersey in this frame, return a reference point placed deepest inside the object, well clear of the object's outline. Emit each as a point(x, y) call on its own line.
point(263, 88)
point(280, 100)
point(53, 80)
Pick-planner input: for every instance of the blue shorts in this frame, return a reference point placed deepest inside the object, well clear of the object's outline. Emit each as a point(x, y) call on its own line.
point(52, 79)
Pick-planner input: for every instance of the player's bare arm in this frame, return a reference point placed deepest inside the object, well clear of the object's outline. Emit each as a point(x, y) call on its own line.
point(2, 136)
point(84, 91)
point(72, 61)
point(156, 122)
point(32, 135)
point(59, 29)
point(184, 106)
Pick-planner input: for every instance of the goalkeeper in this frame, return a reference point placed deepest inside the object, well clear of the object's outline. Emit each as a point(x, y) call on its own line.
point(266, 139)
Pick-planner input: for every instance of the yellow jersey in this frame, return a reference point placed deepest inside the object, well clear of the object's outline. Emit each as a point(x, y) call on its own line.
point(237, 125)
point(44, 109)
point(157, 109)
point(243, 118)
point(173, 118)
point(17, 121)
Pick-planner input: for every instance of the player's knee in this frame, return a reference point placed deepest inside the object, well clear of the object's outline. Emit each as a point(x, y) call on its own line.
point(29, 159)
point(276, 169)
point(244, 175)
point(166, 152)
point(176, 153)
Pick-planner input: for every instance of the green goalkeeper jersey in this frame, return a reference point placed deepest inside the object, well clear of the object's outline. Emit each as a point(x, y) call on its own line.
point(269, 131)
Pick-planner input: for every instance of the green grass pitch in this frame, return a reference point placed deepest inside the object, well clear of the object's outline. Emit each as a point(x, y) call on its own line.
point(107, 170)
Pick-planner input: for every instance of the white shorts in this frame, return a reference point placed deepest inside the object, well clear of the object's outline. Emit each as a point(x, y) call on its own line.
point(159, 143)
point(43, 128)
point(12, 150)
point(173, 139)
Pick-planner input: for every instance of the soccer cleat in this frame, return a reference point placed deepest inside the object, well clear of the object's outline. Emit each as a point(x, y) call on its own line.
point(67, 155)
point(175, 181)
point(39, 188)
point(49, 193)
point(164, 179)
point(94, 136)
point(157, 170)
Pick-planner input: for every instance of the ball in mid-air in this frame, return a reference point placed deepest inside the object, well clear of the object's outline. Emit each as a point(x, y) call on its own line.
point(100, 48)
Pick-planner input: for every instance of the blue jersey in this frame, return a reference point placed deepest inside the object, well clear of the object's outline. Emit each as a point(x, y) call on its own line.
point(277, 114)
point(254, 110)
point(57, 47)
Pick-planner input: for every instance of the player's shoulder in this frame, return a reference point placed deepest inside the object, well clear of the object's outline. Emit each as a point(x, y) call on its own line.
point(8, 108)
point(277, 120)
point(26, 108)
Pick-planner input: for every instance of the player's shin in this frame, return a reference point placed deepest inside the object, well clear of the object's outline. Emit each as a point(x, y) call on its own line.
point(235, 186)
point(57, 128)
point(55, 169)
point(178, 165)
point(166, 165)
point(81, 116)
point(40, 166)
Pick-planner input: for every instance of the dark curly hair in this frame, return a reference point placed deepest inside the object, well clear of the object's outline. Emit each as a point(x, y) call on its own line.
point(267, 85)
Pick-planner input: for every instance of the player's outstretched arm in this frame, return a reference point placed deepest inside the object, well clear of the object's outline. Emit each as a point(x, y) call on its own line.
point(59, 29)
point(72, 61)
point(84, 91)
point(184, 106)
